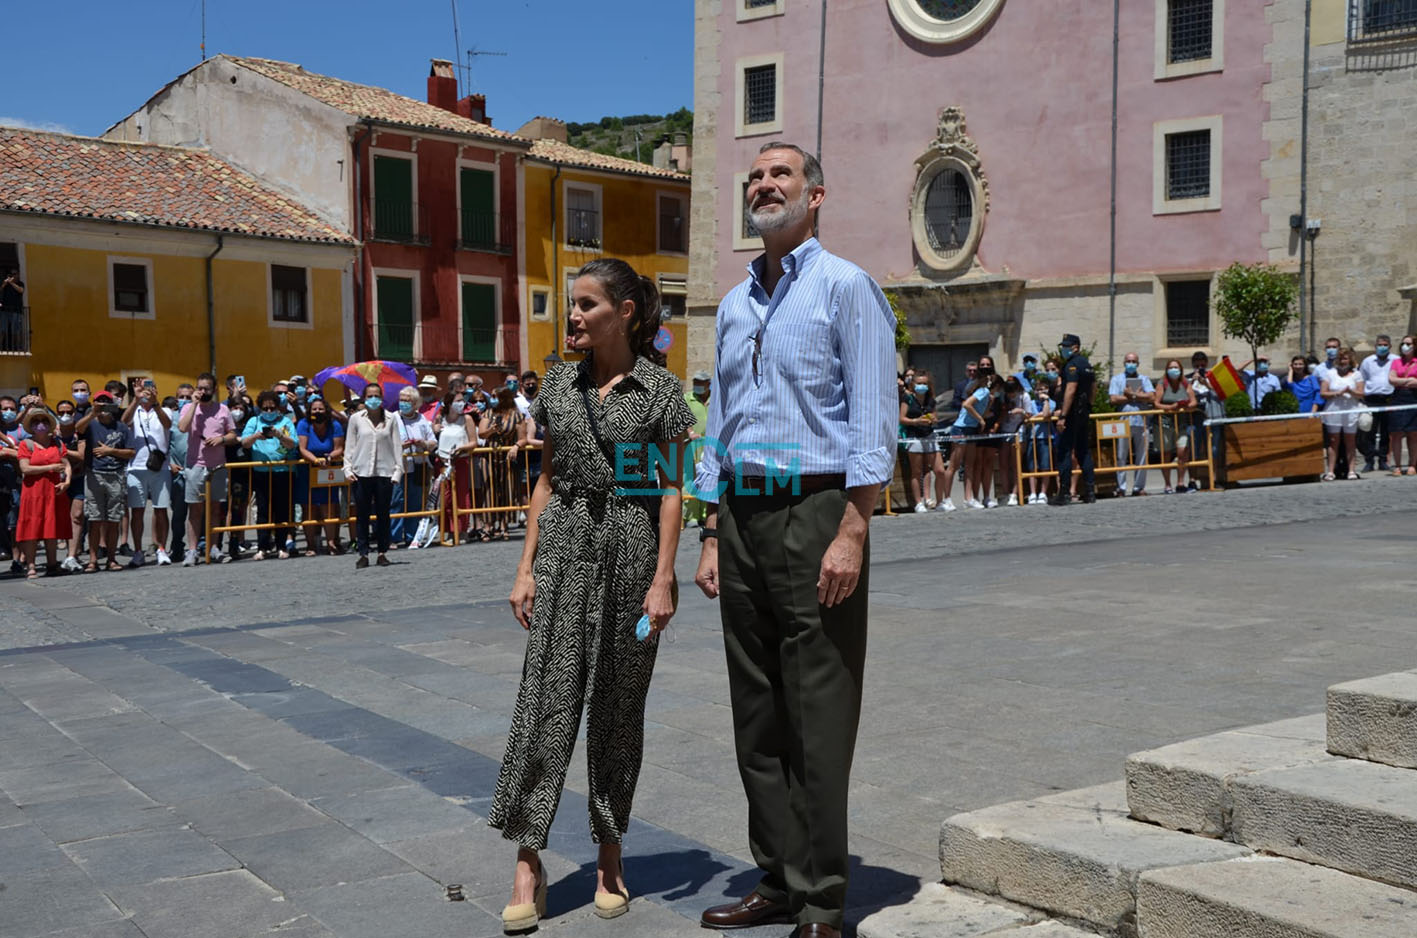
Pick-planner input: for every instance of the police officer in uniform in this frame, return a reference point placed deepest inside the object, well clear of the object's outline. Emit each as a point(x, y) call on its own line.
point(1074, 422)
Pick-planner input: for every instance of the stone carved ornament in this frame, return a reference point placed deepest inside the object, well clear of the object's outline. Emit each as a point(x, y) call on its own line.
point(952, 139)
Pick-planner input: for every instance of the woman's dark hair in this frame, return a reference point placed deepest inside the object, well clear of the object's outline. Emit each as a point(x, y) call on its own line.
point(264, 396)
point(506, 397)
point(620, 283)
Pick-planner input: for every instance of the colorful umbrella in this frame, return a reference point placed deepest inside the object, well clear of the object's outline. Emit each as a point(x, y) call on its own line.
point(357, 376)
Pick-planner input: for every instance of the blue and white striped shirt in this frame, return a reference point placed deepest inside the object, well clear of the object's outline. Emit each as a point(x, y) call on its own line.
point(823, 398)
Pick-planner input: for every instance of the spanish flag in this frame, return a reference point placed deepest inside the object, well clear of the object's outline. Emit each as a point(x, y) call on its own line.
point(1225, 380)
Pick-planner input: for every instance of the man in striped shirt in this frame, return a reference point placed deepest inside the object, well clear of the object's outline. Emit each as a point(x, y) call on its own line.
point(801, 438)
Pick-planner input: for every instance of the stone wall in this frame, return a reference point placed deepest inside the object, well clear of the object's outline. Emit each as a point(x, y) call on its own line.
point(704, 291)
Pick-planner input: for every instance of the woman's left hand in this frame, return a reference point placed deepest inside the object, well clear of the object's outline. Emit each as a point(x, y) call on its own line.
point(659, 604)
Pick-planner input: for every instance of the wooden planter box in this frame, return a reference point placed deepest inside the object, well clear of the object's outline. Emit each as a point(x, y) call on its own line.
point(1273, 449)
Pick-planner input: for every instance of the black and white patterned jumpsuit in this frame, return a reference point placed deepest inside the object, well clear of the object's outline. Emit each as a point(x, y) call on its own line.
point(595, 558)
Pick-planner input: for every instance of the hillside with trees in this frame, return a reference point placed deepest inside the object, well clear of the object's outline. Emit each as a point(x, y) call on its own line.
point(624, 136)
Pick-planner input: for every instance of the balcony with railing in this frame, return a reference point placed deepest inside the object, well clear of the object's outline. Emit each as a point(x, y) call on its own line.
point(487, 231)
point(15, 331)
point(400, 222)
point(1380, 20)
point(497, 346)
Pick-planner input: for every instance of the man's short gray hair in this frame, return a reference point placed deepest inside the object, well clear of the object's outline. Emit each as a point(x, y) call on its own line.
point(811, 166)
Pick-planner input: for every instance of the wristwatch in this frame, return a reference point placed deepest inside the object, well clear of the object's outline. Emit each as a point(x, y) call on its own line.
point(706, 533)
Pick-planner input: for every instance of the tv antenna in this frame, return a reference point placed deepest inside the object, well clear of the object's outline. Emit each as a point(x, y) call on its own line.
point(471, 54)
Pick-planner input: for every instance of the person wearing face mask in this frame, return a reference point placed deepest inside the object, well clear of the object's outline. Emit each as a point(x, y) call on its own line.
point(1377, 392)
point(1209, 406)
point(79, 391)
point(1402, 424)
point(1029, 374)
point(1259, 381)
point(512, 382)
point(1343, 395)
point(66, 417)
point(10, 434)
point(321, 440)
point(109, 448)
point(374, 463)
point(177, 464)
point(270, 436)
point(452, 487)
point(696, 510)
point(1175, 397)
point(1131, 391)
point(239, 477)
point(151, 425)
point(44, 506)
point(210, 430)
point(418, 441)
point(922, 451)
point(1322, 372)
point(430, 407)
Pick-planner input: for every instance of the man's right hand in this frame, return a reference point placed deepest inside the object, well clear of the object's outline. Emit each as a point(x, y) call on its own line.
point(707, 575)
point(214, 441)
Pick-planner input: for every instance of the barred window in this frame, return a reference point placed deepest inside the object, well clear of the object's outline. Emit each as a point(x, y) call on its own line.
point(1188, 165)
point(949, 212)
point(754, 4)
point(1187, 313)
point(582, 218)
point(1189, 27)
point(288, 300)
point(947, 9)
point(671, 224)
point(760, 94)
point(1377, 19)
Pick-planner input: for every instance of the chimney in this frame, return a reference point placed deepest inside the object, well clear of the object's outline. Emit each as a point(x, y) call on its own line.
point(474, 107)
point(443, 86)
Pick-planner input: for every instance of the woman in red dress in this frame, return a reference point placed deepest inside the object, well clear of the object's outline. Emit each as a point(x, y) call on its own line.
point(44, 502)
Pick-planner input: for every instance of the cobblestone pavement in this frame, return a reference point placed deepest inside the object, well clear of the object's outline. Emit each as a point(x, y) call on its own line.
point(294, 748)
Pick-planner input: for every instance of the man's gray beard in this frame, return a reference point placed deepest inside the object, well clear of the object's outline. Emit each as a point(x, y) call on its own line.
point(792, 214)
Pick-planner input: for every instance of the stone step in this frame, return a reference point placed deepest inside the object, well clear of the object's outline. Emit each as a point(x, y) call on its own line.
point(1186, 786)
point(938, 911)
point(1076, 855)
point(1270, 897)
point(1355, 816)
point(1375, 719)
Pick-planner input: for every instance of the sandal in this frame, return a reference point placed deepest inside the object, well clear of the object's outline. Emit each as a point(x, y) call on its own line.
point(483, 537)
point(1396, 472)
point(31, 573)
point(1411, 471)
point(1354, 475)
point(91, 567)
point(501, 536)
point(113, 566)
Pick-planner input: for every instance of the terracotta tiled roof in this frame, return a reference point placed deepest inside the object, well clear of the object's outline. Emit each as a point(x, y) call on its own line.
point(367, 101)
point(146, 184)
point(554, 151)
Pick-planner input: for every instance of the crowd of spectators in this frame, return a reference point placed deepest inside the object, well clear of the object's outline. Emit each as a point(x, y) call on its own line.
point(81, 477)
point(992, 424)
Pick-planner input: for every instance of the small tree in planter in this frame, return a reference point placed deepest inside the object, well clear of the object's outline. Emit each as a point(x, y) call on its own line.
point(1255, 304)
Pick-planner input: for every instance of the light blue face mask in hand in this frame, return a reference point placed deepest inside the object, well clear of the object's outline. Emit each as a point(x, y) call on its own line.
point(643, 628)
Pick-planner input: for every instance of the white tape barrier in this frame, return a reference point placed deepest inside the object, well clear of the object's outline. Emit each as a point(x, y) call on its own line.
point(1216, 421)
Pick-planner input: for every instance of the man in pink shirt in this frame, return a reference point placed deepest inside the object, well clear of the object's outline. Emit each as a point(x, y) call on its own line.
point(431, 407)
point(209, 429)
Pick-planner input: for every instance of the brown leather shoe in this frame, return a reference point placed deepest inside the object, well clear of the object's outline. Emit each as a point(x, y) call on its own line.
point(753, 910)
point(816, 930)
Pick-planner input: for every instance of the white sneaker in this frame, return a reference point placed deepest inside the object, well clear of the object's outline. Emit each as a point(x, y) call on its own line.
point(71, 565)
point(992, 503)
point(1013, 500)
point(973, 503)
point(162, 559)
point(945, 505)
point(218, 557)
point(189, 559)
point(920, 508)
point(929, 503)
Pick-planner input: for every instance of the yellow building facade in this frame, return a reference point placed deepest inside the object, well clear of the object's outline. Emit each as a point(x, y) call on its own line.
point(579, 206)
point(77, 330)
point(141, 260)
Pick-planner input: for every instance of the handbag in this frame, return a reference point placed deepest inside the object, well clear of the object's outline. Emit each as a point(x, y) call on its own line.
point(156, 457)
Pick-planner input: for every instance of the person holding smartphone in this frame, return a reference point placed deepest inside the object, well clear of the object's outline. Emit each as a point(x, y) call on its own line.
point(149, 479)
point(270, 436)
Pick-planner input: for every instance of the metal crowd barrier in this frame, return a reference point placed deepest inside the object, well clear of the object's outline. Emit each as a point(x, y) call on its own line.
point(501, 485)
point(1111, 432)
point(329, 477)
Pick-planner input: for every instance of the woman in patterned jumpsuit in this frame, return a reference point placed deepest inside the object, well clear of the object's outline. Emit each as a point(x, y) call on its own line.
point(596, 558)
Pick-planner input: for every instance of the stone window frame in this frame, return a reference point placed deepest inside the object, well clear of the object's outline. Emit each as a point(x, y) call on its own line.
point(531, 294)
point(740, 67)
point(740, 243)
point(1167, 69)
point(308, 322)
point(746, 13)
point(952, 149)
point(915, 21)
point(151, 295)
point(1161, 320)
point(660, 197)
point(1160, 204)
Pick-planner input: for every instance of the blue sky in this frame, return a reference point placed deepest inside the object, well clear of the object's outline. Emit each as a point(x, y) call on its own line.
point(82, 65)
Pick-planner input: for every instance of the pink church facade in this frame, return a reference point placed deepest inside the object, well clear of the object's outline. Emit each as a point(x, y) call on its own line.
point(967, 154)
